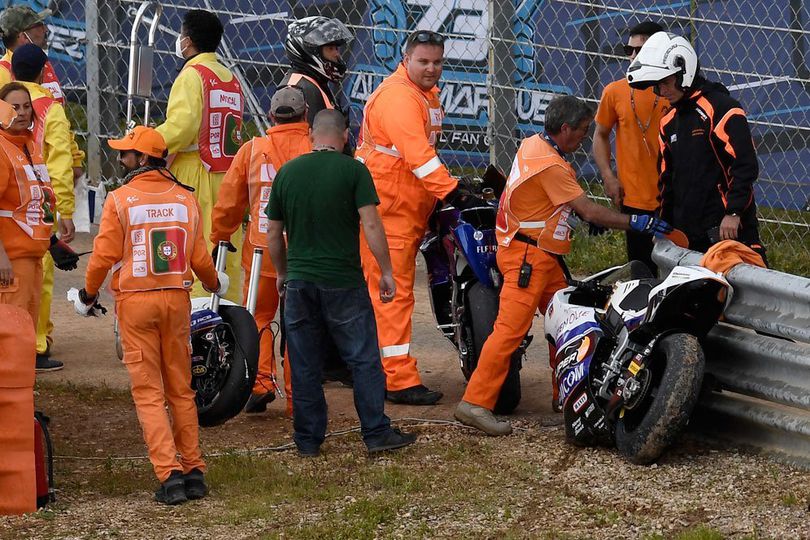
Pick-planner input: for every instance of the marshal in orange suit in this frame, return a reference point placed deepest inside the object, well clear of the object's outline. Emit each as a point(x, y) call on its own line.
point(402, 121)
point(533, 229)
point(247, 184)
point(151, 237)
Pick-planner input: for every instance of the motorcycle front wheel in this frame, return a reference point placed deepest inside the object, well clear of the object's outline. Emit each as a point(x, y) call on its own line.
point(483, 309)
point(643, 433)
point(235, 386)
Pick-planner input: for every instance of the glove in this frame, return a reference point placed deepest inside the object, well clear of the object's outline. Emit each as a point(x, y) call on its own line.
point(649, 225)
point(463, 199)
point(224, 284)
point(215, 251)
point(596, 230)
point(85, 305)
point(64, 258)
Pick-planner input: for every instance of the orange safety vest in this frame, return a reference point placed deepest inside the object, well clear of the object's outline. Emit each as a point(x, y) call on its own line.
point(220, 133)
point(159, 232)
point(35, 214)
point(534, 156)
point(265, 161)
point(49, 80)
point(295, 78)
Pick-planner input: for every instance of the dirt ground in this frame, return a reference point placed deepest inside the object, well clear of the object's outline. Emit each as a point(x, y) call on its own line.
point(453, 483)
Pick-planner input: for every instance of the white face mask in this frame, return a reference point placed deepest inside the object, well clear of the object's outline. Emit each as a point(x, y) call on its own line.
point(178, 47)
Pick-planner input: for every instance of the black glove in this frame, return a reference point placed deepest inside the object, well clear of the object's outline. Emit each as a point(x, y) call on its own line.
point(215, 251)
point(92, 303)
point(63, 256)
point(596, 230)
point(463, 199)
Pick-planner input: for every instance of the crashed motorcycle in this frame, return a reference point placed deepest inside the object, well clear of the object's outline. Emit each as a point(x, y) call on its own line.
point(464, 281)
point(629, 360)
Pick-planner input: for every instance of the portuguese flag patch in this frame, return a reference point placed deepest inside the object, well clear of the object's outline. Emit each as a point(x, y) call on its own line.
point(168, 250)
point(232, 135)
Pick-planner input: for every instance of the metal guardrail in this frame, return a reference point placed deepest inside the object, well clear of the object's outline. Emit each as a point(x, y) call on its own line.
point(759, 360)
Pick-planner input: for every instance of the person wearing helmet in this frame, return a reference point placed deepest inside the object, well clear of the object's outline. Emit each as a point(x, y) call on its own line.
point(708, 162)
point(314, 48)
point(635, 115)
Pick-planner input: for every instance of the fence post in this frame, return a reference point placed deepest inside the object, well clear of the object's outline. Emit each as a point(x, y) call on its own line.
point(93, 93)
point(503, 116)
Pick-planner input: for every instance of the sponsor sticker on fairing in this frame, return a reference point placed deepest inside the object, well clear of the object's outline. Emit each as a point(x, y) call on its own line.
point(580, 402)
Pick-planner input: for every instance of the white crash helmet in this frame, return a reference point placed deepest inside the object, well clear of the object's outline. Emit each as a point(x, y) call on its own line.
point(662, 55)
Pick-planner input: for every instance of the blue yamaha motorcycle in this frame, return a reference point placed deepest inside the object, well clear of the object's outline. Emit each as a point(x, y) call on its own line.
point(464, 280)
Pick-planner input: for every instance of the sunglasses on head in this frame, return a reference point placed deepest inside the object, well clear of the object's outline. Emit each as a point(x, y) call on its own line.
point(427, 36)
point(629, 49)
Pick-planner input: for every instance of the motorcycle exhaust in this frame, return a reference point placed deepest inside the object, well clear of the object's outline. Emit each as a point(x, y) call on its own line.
point(222, 253)
point(253, 286)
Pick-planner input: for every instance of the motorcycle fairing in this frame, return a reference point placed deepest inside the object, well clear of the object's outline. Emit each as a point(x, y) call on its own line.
point(479, 248)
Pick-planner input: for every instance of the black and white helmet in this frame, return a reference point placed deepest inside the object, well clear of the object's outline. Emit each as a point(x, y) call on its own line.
point(662, 55)
point(306, 36)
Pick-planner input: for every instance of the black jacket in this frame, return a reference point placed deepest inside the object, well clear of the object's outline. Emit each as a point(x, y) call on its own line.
point(708, 166)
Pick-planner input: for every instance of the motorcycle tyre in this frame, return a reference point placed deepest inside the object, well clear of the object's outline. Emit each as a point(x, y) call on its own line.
point(238, 384)
point(483, 309)
point(670, 410)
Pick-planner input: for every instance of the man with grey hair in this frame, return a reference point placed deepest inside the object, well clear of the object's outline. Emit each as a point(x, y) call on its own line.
point(320, 198)
point(533, 233)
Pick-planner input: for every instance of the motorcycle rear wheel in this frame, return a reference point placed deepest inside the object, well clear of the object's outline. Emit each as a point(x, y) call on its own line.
point(483, 309)
point(238, 383)
point(643, 433)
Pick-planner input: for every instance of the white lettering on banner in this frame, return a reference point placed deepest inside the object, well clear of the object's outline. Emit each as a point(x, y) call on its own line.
point(139, 253)
point(464, 99)
point(139, 269)
point(468, 17)
point(267, 173)
point(531, 105)
point(158, 213)
point(229, 100)
point(138, 237)
point(215, 119)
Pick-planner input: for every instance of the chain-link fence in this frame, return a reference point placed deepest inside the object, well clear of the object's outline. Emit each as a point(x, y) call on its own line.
point(505, 60)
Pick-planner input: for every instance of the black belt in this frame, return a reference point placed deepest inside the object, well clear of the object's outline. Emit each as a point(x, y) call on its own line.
point(520, 237)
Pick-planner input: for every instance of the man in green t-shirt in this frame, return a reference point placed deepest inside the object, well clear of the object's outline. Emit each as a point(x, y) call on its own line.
point(320, 199)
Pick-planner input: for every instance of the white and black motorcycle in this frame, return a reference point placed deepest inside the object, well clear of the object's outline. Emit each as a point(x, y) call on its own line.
point(630, 364)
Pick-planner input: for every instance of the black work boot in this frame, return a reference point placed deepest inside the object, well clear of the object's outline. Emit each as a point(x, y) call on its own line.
point(172, 491)
point(391, 441)
point(45, 364)
point(258, 402)
point(415, 395)
point(195, 485)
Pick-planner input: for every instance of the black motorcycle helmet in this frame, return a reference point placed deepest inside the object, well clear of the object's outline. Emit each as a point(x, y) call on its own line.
point(306, 36)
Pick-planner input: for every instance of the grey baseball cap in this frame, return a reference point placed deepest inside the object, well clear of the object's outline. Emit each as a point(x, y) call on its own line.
point(288, 102)
point(18, 18)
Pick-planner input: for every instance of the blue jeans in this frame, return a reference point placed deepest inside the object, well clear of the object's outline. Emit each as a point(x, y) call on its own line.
point(311, 313)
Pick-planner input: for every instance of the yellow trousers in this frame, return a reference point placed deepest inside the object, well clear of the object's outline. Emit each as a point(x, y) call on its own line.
point(44, 323)
point(188, 168)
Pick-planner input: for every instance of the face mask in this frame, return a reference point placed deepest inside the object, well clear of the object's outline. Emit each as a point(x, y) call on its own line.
point(178, 47)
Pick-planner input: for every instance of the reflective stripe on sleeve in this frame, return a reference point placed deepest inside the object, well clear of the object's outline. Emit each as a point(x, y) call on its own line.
point(532, 224)
point(427, 168)
point(395, 350)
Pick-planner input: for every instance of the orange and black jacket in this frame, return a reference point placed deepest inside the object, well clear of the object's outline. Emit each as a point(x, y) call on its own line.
point(708, 166)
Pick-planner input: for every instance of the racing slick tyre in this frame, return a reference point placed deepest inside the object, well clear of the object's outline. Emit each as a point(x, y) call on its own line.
point(229, 389)
point(676, 371)
point(483, 309)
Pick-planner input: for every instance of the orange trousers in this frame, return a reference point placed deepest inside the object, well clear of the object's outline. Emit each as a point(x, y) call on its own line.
point(266, 307)
point(515, 315)
point(394, 318)
point(18, 484)
point(155, 330)
point(26, 293)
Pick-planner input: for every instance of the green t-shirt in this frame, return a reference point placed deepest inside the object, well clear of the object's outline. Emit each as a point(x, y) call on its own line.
point(317, 196)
